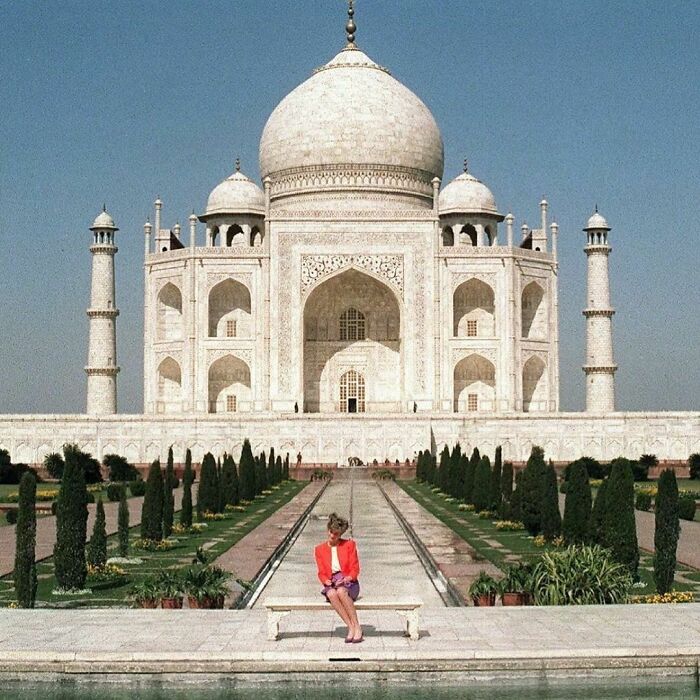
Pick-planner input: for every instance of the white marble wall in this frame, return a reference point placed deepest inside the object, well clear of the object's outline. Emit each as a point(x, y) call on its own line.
point(565, 436)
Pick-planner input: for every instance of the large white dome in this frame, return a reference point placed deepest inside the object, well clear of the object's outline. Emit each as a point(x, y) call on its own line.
point(352, 114)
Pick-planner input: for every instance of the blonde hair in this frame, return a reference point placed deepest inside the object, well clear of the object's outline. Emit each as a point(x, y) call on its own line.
point(337, 524)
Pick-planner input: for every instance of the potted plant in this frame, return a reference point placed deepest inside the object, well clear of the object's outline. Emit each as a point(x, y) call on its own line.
point(515, 587)
point(483, 590)
point(145, 593)
point(206, 586)
point(170, 588)
point(217, 587)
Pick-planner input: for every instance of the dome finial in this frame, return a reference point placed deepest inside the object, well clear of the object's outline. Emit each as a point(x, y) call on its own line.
point(104, 206)
point(238, 164)
point(350, 27)
point(466, 165)
point(596, 208)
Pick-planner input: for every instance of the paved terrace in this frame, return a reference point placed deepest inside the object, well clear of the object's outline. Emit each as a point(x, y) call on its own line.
point(456, 643)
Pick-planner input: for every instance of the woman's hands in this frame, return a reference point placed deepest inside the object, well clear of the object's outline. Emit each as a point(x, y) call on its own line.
point(328, 582)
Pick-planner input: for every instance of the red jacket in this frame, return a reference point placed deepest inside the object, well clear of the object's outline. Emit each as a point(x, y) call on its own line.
point(347, 557)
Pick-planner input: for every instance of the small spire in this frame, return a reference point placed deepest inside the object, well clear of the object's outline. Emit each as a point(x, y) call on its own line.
point(596, 208)
point(466, 165)
point(104, 207)
point(350, 27)
point(238, 164)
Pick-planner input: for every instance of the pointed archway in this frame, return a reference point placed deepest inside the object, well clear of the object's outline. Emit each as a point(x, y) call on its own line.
point(352, 323)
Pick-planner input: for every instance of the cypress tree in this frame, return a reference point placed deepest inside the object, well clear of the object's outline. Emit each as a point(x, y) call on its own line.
point(71, 524)
point(619, 529)
point(222, 483)
point(123, 523)
point(507, 483)
point(168, 497)
point(469, 475)
point(453, 479)
point(532, 486)
point(247, 473)
point(666, 532)
point(596, 535)
point(271, 468)
point(152, 509)
point(551, 517)
point(187, 479)
point(419, 466)
point(463, 466)
point(286, 467)
point(97, 549)
point(576, 525)
point(442, 476)
point(482, 484)
point(495, 489)
point(262, 484)
point(208, 496)
point(235, 495)
point(278, 469)
point(229, 482)
point(25, 549)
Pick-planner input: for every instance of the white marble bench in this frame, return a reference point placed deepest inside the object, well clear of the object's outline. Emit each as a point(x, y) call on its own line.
point(277, 608)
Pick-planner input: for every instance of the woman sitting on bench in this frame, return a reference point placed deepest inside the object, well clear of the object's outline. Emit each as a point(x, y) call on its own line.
point(338, 569)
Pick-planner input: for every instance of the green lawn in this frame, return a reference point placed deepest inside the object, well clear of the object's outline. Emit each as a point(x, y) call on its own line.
point(7, 489)
point(482, 534)
point(218, 537)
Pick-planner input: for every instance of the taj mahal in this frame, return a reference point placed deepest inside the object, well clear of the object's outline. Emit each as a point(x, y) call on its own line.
point(353, 305)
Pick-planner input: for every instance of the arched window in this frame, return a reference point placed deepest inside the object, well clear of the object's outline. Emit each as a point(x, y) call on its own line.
point(234, 235)
point(255, 237)
point(534, 385)
point(352, 392)
point(229, 301)
point(448, 237)
point(533, 312)
point(214, 235)
point(352, 325)
point(474, 385)
point(169, 387)
point(467, 236)
point(169, 313)
point(474, 310)
point(489, 234)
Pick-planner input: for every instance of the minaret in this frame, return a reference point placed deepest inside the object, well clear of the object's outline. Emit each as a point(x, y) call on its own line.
point(102, 345)
point(600, 367)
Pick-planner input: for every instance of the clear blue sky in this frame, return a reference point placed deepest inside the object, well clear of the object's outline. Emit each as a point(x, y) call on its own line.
point(585, 101)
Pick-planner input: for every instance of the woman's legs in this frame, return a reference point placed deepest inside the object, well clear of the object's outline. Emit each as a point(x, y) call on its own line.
point(349, 605)
point(334, 600)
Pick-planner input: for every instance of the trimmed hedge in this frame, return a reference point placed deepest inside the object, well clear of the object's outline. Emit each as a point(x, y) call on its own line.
point(686, 506)
point(138, 487)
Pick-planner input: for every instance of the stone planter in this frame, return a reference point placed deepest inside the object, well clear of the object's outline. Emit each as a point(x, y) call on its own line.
point(150, 603)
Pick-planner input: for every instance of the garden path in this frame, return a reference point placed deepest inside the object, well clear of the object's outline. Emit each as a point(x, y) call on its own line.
point(389, 565)
point(46, 529)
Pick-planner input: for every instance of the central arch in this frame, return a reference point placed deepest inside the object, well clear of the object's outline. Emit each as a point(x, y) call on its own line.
point(352, 323)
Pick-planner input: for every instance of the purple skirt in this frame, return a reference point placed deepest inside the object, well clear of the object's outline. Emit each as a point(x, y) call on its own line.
point(353, 588)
